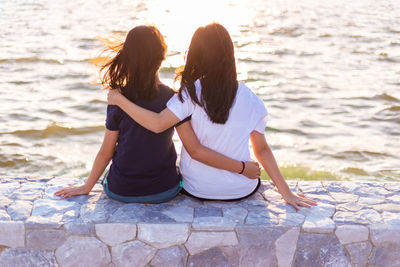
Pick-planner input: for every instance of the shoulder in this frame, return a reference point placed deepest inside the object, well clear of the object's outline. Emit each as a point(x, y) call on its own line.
point(251, 98)
point(113, 111)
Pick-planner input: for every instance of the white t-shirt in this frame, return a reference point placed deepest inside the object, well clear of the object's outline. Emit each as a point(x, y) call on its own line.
point(247, 114)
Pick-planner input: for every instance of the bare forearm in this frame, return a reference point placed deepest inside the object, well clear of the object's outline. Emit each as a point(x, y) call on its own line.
point(99, 165)
point(148, 119)
point(267, 160)
point(217, 160)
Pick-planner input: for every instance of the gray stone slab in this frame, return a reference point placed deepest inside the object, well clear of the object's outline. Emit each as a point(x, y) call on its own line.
point(350, 206)
point(344, 197)
point(253, 205)
point(314, 187)
point(102, 210)
point(351, 233)
point(291, 219)
point(55, 210)
point(4, 216)
point(136, 252)
point(368, 201)
point(174, 256)
point(213, 224)
point(392, 186)
point(281, 207)
point(180, 214)
point(385, 235)
point(7, 188)
point(391, 218)
point(95, 252)
point(359, 253)
point(12, 234)
point(383, 256)
point(235, 213)
point(79, 228)
point(45, 239)
point(163, 235)
point(4, 202)
point(262, 218)
point(213, 257)
point(393, 199)
point(115, 233)
point(201, 241)
point(365, 216)
point(23, 257)
point(322, 198)
point(28, 191)
point(318, 224)
point(38, 222)
point(285, 247)
point(320, 250)
point(208, 211)
point(128, 213)
point(390, 207)
point(20, 210)
point(321, 210)
point(259, 235)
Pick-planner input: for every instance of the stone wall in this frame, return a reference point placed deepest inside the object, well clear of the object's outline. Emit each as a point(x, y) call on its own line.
point(355, 224)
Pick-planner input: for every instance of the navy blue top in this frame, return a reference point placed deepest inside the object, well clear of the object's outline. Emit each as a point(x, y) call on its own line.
point(144, 163)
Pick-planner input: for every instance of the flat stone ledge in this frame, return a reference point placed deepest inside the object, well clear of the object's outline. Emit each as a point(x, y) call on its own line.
point(354, 224)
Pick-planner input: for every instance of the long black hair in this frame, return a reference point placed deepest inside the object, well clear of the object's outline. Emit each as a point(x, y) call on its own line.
point(134, 69)
point(211, 59)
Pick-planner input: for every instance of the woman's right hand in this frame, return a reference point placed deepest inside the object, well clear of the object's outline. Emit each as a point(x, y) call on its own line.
point(252, 170)
point(71, 191)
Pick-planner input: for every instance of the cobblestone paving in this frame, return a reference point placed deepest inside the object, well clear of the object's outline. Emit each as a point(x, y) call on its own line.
point(354, 224)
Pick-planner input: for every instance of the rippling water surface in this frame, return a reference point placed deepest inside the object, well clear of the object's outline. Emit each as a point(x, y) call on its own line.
point(328, 72)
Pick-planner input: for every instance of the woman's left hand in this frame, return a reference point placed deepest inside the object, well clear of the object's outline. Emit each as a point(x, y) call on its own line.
point(298, 200)
point(113, 97)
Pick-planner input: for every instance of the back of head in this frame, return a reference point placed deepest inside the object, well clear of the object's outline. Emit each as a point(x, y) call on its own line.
point(134, 69)
point(211, 59)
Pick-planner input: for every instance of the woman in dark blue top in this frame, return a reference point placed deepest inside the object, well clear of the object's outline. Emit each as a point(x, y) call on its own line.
point(143, 165)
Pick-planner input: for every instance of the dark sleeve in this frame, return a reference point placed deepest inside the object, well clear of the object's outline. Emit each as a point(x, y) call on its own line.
point(113, 118)
point(183, 121)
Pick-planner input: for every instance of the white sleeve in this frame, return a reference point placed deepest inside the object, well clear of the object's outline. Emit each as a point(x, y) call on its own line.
point(181, 110)
point(262, 117)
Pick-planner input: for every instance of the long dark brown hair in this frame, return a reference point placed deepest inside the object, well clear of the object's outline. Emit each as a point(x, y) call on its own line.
point(211, 59)
point(134, 69)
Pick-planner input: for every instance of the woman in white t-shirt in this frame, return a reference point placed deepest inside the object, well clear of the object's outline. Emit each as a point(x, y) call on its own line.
point(224, 114)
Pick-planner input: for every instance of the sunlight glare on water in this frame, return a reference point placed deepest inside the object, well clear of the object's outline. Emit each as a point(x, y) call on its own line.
point(328, 72)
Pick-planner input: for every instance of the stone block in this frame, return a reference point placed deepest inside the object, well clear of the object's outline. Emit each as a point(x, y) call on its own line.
point(235, 213)
point(174, 256)
point(12, 234)
point(259, 235)
point(213, 257)
point(28, 191)
point(385, 235)
point(208, 211)
point(115, 233)
point(389, 207)
point(201, 241)
point(45, 239)
point(134, 252)
point(365, 216)
point(262, 218)
point(351, 233)
point(213, 224)
point(163, 235)
point(344, 197)
point(281, 207)
point(79, 228)
point(55, 210)
point(24, 257)
point(4, 216)
point(7, 188)
point(391, 218)
point(320, 250)
point(359, 253)
point(318, 224)
point(180, 214)
point(20, 210)
point(83, 252)
point(321, 210)
point(285, 247)
point(387, 257)
point(291, 219)
point(4, 202)
point(100, 211)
